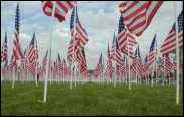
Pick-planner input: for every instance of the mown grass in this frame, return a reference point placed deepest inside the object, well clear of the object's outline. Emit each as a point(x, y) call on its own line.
point(88, 99)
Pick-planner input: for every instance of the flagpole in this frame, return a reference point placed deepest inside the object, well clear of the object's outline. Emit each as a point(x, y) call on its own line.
point(177, 57)
point(156, 64)
point(45, 84)
point(36, 69)
point(73, 37)
point(13, 77)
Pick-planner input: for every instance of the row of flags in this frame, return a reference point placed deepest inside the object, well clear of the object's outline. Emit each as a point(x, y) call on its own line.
point(134, 19)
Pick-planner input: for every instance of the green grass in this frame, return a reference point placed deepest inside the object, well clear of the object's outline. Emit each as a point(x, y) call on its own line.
point(88, 99)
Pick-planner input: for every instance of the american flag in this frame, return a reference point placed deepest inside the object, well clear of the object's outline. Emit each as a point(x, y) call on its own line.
point(17, 54)
point(32, 54)
point(138, 14)
point(167, 64)
point(61, 8)
point(59, 65)
point(108, 69)
point(115, 52)
point(169, 44)
point(65, 67)
point(137, 65)
point(4, 54)
point(77, 31)
point(152, 53)
point(125, 40)
point(99, 68)
point(78, 34)
point(17, 19)
point(81, 60)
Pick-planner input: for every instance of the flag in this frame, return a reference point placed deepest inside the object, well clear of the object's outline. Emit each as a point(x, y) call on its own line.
point(137, 65)
point(81, 58)
point(78, 33)
point(169, 44)
point(152, 53)
point(32, 55)
point(138, 14)
point(115, 52)
point(61, 8)
point(167, 65)
point(4, 54)
point(59, 65)
point(17, 19)
point(125, 40)
point(99, 67)
point(17, 54)
point(108, 69)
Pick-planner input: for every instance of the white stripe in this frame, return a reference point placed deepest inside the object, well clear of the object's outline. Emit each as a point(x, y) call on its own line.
point(132, 10)
point(151, 8)
point(129, 20)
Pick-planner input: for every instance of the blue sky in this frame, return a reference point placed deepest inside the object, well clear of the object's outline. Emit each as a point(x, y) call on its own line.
point(99, 18)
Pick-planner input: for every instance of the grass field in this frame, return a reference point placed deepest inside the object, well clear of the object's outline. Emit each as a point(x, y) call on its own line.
point(88, 99)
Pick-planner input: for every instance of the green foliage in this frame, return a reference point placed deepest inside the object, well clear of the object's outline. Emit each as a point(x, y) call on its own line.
point(88, 99)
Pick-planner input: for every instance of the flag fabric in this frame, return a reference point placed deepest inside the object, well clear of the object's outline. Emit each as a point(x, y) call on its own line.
point(17, 54)
point(109, 68)
point(145, 66)
point(78, 33)
point(169, 44)
point(138, 14)
point(59, 65)
point(82, 64)
point(152, 53)
point(115, 52)
point(125, 40)
point(61, 8)
point(17, 19)
point(137, 65)
point(32, 55)
point(99, 67)
point(4, 54)
point(167, 65)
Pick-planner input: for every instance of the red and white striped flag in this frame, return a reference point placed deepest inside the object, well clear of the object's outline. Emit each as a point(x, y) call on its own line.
point(109, 68)
point(17, 54)
point(4, 54)
point(152, 53)
point(115, 52)
point(61, 8)
point(169, 44)
point(138, 14)
point(167, 65)
point(81, 60)
point(78, 34)
point(125, 40)
point(99, 67)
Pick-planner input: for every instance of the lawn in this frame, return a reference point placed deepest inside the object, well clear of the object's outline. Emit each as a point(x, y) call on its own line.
point(88, 99)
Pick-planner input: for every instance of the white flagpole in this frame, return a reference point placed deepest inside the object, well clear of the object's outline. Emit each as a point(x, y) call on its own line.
point(177, 57)
point(128, 66)
point(36, 75)
point(45, 84)
point(164, 57)
point(73, 49)
point(13, 82)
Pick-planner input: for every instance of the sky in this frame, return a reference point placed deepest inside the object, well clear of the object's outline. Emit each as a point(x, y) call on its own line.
point(99, 18)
